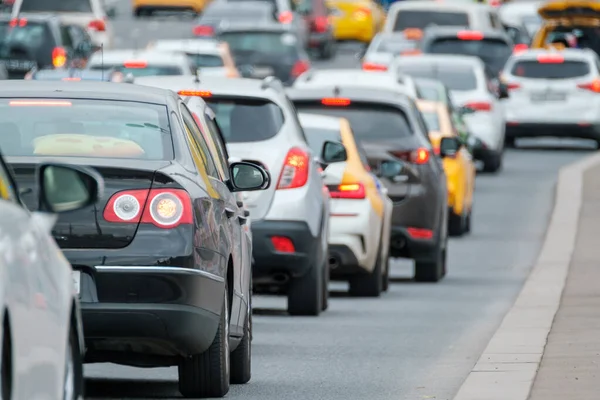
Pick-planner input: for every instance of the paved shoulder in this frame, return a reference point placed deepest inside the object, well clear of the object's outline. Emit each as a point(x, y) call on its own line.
point(570, 366)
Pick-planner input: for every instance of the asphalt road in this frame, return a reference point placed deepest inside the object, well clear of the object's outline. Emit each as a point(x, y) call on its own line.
point(418, 341)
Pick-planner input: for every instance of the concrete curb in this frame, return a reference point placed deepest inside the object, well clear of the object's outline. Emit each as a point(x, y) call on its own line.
point(508, 366)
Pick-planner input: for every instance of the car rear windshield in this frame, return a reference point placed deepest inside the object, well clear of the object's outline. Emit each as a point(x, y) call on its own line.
point(205, 60)
point(246, 120)
point(454, 77)
point(255, 44)
point(493, 52)
point(565, 70)
point(423, 18)
point(368, 121)
point(84, 6)
point(429, 93)
point(150, 70)
point(252, 14)
point(32, 41)
point(432, 120)
point(85, 128)
point(395, 46)
point(316, 137)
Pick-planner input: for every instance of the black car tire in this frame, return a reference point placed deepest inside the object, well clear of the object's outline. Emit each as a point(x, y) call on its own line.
point(431, 270)
point(76, 363)
point(305, 295)
point(325, 298)
point(207, 374)
point(510, 142)
point(457, 224)
point(493, 163)
point(369, 285)
point(241, 357)
point(468, 221)
point(385, 284)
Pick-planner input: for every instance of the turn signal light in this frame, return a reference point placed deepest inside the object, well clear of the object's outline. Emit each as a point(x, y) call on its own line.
point(59, 57)
point(418, 156)
point(368, 66)
point(347, 191)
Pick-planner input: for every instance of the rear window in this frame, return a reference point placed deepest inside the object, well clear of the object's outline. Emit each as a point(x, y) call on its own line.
point(205, 60)
point(250, 44)
point(32, 41)
point(493, 52)
point(316, 138)
point(454, 77)
point(246, 120)
point(150, 70)
point(565, 70)
point(395, 46)
point(234, 15)
point(422, 19)
point(84, 6)
point(432, 120)
point(429, 93)
point(84, 128)
point(368, 122)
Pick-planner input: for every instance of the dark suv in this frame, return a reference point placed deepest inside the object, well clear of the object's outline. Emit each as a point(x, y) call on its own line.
point(320, 38)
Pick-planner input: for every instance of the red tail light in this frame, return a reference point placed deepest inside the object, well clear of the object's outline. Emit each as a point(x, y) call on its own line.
point(59, 57)
point(367, 66)
point(203, 30)
point(348, 191)
point(164, 208)
point(135, 64)
point(286, 17)
point(592, 86)
point(513, 86)
point(295, 169)
point(418, 156)
point(321, 24)
point(336, 102)
point(283, 244)
point(299, 68)
point(550, 59)
point(419, 233)
point(362, 14)
point(194, 93)
point(469, 35)
point(17, 22)
point(519, 48)
point(479, 106)
point(97, 25)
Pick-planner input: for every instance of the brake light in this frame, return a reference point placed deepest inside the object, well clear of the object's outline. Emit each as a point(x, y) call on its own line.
point(362, 14)
point(479, 106)
point(592, 86)
point(348, 191)
point(286, 17)
point(17, 22)
point(520, 48)
point(336, 102)
point(413, 34)
point(469, 35)
point(294, 173)
point(299, 68)
point(37, 103)
point(368, 66)
point(194, 93)
point(418, 156)
point(419, 233)
point(71, 79)
point(550, 59)
point(283, 244)
point(512, 86)
point(97, 25)
point(203, 30)
point(495, 3)
point(164, 208)
point(412, 52)
point(59, 57)
point(321, 24)
point(135, 64)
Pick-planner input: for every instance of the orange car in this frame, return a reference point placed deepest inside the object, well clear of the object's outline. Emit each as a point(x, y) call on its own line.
point(460, 168)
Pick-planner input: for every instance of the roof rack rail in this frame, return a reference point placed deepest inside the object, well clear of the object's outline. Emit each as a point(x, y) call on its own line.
point(271, 82)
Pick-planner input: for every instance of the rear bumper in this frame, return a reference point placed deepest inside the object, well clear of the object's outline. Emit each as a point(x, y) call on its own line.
point(345, 263)
point(269, 262)
point(402, 244)
point(536, 129)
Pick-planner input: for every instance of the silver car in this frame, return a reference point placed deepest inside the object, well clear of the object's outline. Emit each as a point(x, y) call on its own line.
point(142, 62)
point(553, 94)
point(384, 47)
point(472, 88)
point(42, 338)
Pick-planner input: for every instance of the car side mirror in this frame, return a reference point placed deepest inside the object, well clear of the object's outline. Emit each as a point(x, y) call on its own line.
point(65, 188)
point(449, 146)
point(392, 170)
point(247, 176)
point(333, 152)
point(502, 91)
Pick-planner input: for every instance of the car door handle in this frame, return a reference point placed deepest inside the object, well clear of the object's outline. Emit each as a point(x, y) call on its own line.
point(229, 212)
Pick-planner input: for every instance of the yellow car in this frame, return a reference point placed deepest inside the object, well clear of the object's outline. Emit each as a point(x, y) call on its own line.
point(460, 169)
point(143, 8)
point(579, 17)
point(357, 20)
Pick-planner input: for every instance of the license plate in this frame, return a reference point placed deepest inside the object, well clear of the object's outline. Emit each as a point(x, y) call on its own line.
point(19, 65)
point(548, 97)
point(76, 275)
point(262, 72)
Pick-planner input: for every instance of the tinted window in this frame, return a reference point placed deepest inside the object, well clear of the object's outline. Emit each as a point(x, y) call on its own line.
point(454, 77)
point(56, 6)
point(368, 122)
point(32, 41)
point(564, 70)
point(248, 44)
point(243, 120)
point(493, 52)
point(150, 70)
point(316, 137)
point(85, 128)
point(395, 46)
point(205, 60)
point(423, 19)
point(432, 120)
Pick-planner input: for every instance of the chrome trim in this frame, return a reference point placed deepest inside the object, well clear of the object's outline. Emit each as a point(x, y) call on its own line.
point(157, 269)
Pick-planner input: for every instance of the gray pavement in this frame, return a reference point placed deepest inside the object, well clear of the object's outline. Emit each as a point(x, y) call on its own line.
point(570, 367)
point(419, 341)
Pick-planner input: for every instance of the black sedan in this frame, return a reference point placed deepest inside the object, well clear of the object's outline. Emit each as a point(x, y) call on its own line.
point(159, 285)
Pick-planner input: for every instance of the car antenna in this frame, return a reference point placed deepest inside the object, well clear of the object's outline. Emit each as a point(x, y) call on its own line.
point(336, 91)
point(197, 76)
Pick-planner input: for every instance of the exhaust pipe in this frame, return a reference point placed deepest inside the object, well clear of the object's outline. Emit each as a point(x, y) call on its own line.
point(281, 278)
point(334, 262)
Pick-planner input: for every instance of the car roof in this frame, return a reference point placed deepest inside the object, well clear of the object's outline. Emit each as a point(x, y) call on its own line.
point(441, 59)
point(353, 93)
point(23, 89)
point(393, 36)
point(344, 77)
point(572, 54)
point(151, 56)
point(33, 17)
point(84, 74)
point(236, 6)
point(245, 26)
point(437, 6)
point(319, 121)
point(204, 46)
point(443, 31)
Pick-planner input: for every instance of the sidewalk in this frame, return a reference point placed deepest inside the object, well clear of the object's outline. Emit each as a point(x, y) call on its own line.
point(570, 367)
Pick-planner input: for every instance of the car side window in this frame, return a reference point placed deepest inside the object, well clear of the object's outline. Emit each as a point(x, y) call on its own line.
point(65, 35)
point(217, 138)
point(7, 189)
point(199, 142)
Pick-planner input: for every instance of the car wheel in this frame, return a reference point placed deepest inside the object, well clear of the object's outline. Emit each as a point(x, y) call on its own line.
point(369, 285)
point(456, 224)
point(493, 163)
point(241, 357)
point(385, 284)
point(73, 378)
point(431, 270)
point(207, 374)
point(325, 297)
point(468, 221)
point(305, 295)
point(510, 142)
point(7, 365)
